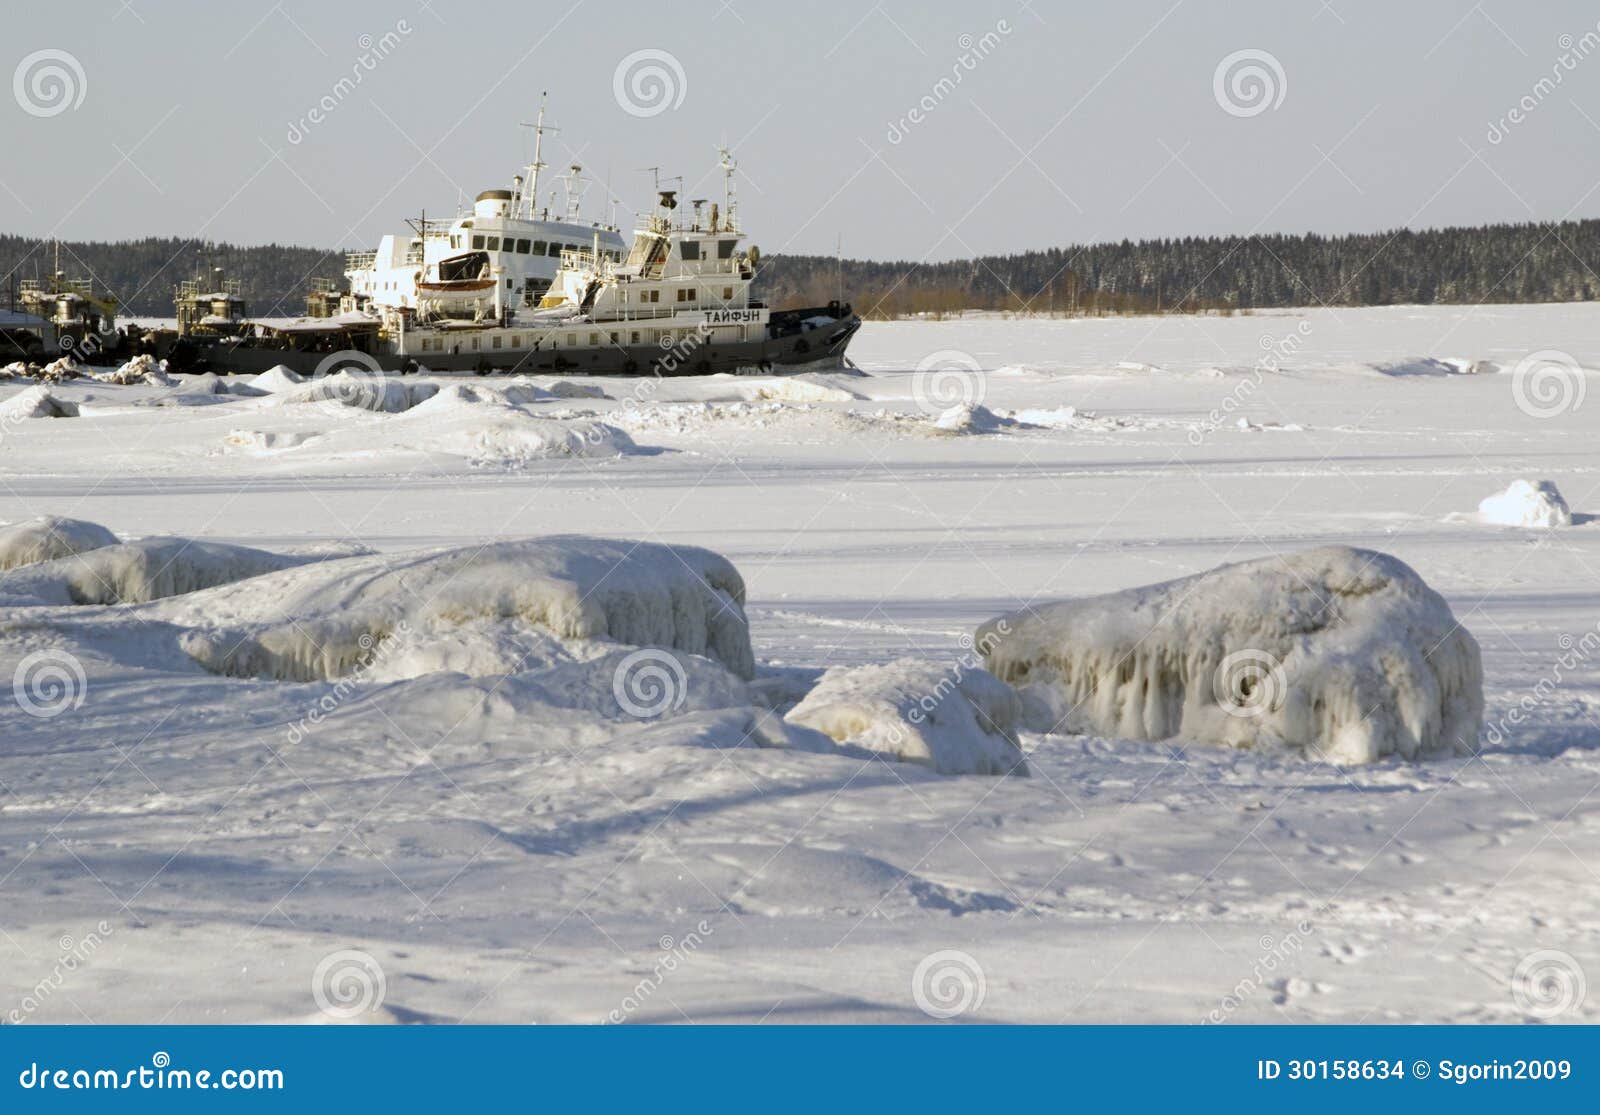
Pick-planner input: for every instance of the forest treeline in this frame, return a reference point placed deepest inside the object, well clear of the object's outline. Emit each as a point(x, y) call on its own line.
point(1496, 263)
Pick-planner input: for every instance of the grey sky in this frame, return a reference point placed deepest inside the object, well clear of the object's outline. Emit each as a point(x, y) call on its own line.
point(1081, 122)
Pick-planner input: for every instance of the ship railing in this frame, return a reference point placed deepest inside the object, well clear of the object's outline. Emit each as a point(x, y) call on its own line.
point(360, 261)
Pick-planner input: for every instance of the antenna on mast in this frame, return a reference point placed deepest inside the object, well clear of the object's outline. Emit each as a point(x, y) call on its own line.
point(531, 194)
point(730, 190)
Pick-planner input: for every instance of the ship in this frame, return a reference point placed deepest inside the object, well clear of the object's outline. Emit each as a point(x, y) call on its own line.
point(677, 302)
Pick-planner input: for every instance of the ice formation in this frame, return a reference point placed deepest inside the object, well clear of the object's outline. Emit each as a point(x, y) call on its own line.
point(138, 572)
point(480, 609)
point(957, 721)
point(47, 538)
point(1342, 654)
point(1527, 503)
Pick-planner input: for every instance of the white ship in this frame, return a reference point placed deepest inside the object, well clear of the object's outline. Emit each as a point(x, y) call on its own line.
point(678, 303)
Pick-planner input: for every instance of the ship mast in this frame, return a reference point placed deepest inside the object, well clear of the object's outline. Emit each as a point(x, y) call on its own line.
point(530, 194)
point(730, 191)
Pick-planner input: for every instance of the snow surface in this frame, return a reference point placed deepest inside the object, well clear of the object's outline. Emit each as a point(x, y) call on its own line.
point(1527, 503)
point(1338, 653)
point(961, 721)
point(514, 847)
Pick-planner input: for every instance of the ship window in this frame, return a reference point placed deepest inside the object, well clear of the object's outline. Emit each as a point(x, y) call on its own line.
point(594, 338)
point(652, 295)
point(516, 340)
point(727, 294)
point(493, 244)
point(689, 249)
point(572, 338)
point(555, 247)
point(475, 344)
point(613, 338)
point(497, 342)
point(508, 284)
point(538, 247)
point(633, 338)
point(725, 249)
point(522, 247)
point(685, 294)
point(477, 240)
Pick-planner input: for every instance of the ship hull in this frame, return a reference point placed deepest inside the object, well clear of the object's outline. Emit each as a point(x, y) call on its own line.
point(802, 339)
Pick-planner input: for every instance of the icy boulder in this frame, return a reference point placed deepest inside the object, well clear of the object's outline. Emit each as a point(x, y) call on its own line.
point(953, 720)
point(47, 538)
point(971, 419)
point(1342, 654)
point(36, 402)
point(566, 389)
point(137, 572)
point(477, 609)
point(1527, 503)
point(360, 390)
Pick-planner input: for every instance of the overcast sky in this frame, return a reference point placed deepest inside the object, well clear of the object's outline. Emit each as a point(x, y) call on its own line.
point(1069, 122)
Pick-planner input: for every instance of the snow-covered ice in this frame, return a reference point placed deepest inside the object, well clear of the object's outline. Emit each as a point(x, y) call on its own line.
point(469, 804)
point(1527, 503)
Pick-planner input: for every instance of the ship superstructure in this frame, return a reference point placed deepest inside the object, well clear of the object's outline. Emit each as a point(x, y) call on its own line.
point(503, 254)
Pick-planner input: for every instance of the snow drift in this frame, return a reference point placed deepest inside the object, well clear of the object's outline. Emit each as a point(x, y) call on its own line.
point(1342, 654)
point(36, 402)
point(1527, 503)
point(138, 572)
point(478, 609)
point(953, 720)
point(49, 537)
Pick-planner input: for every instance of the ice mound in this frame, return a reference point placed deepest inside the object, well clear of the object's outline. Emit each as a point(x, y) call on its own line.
point(360, 390)
point(47, 538)
point(143, 368)
point(565, 389)
point(965, 419)
point(485, 608)
point(36, 402)
point(953, 720)
point(1343, 654)
point(794, 390)
point(509, 444)
point(1439, 366)
point(1527, 503)
point(58, 371)
point(264, 441)
point(277, 379)
point(138, 572)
